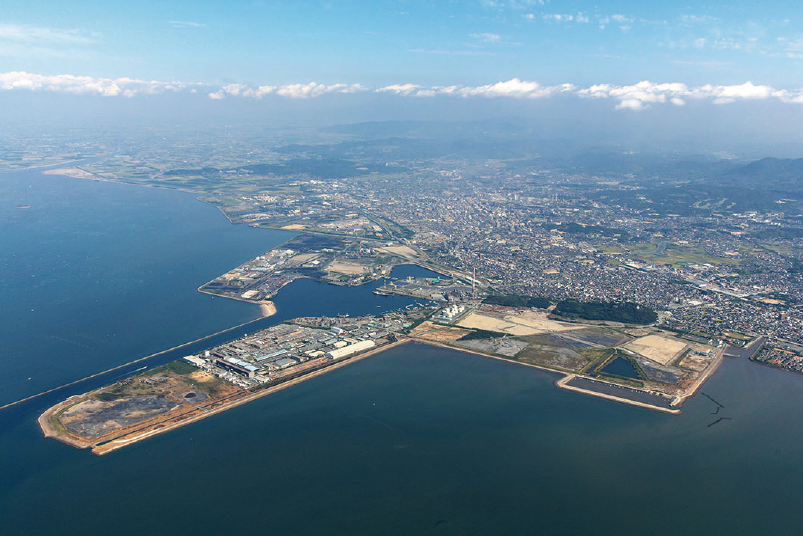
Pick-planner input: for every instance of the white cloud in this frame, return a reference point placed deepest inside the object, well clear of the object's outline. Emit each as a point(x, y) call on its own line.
point(630, 104)
point(514, 88)
point(557, 17)
point(621, 19)
point(292, 91)
point(301, 91)
point(404, 90)
point(185, 24)
point(33, 34)
point(728, 94)
point(689, 20)
point(794, 49)
point(450, 52)
point(487, 37)
point(626, 97)
point(511, 4)
point(646, 93)
point(66, 83)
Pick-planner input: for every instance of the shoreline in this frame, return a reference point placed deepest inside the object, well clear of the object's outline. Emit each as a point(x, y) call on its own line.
point(703, 377)
point(268, 308)
point(163, 423)
point(135, 361)
point(193, 415)
point(92, 177)
point(490, 356)
point(562, 382)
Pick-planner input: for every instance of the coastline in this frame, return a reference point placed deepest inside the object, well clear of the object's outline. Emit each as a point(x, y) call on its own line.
point(182, 416)
point(268, 308)
point(135, 361)
point(156, 425)
point(77, 173)
point(567, 377)
point(703, 377)
point(563, 383)
point(489, 356)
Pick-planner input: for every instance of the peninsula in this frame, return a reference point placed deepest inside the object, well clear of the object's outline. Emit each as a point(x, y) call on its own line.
point(637, 365)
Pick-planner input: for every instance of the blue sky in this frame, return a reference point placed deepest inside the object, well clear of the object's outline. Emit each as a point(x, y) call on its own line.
point(676, 51)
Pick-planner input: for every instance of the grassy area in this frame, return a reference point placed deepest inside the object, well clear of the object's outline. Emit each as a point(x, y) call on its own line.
point(619, 379)
point(643, 248)
point(677, 255)
point(180, 367)
point(781, 249)
point(608, 248)
point(108, 396)
point(596, 356)
point(738, 336)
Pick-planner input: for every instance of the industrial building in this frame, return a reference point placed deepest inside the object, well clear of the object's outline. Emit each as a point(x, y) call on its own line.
point(351, 349)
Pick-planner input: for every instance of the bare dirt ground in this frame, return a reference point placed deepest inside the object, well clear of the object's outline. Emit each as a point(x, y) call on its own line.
point(202, 376)
point(659, 348)
point(347, 268)
point(507, 347)
point(268, 308)
point(223, 397)
point(404, 251)
point(527, 323)
point(553, 357)
point(438, 333)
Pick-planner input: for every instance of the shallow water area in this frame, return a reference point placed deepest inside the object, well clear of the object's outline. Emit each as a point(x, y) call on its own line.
point(621, 367)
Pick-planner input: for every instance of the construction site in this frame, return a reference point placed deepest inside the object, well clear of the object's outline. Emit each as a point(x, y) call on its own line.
point(645, 366)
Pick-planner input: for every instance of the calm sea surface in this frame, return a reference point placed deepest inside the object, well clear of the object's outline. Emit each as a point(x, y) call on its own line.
point(416, 440)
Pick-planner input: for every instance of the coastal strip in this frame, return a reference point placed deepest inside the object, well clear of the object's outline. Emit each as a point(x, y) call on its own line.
point(482, 354)
point(124, 365)
point(169, 422)
point(563, 383)
point(704, 376)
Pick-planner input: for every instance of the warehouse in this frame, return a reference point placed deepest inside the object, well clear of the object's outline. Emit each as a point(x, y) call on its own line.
point(351, 349)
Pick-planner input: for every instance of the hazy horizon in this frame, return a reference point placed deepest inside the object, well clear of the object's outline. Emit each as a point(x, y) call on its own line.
point(708, 78)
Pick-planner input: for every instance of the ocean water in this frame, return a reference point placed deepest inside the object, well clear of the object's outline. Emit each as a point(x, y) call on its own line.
point(415, 440)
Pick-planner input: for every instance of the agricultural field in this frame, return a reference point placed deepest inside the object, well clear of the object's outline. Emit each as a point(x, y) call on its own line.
point(676, 255)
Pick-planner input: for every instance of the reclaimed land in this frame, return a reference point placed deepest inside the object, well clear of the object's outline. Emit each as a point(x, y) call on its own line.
point(182, 414)
point(120, 434)
point(563, 382)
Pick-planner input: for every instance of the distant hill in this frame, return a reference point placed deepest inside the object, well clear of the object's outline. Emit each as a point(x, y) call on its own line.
point(683, 167)
point(448, 130)
point(780, 174)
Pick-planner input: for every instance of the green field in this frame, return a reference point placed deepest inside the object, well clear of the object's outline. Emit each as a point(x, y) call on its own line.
point(609, 248)
point(677, 255)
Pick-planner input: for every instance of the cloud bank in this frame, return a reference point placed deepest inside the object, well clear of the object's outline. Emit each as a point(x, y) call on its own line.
point(67, 83)
point(292, 91)
point(626, 97)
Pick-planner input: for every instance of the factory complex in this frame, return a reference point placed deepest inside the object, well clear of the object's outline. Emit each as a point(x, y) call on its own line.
point(291, 348)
